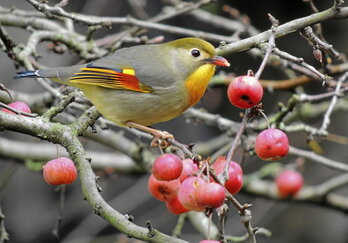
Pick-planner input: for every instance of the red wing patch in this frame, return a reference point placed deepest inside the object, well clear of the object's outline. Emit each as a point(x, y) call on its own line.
point(112, 78)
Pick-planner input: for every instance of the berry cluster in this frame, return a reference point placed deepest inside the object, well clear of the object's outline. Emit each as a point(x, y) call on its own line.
point(246, 92)
point(175, 182)
point(271, 144)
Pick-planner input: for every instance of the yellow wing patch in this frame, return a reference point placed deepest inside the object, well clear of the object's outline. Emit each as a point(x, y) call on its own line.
point(129, 71)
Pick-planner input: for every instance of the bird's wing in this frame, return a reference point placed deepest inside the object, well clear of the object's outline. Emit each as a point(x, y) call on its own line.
point(138, 68)
point(109, 77)
point(127, 69)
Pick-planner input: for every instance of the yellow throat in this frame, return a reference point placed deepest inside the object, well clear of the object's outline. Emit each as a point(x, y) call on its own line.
point(197, 83)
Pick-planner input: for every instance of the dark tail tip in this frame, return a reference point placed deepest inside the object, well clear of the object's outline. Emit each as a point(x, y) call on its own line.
point(27, 74)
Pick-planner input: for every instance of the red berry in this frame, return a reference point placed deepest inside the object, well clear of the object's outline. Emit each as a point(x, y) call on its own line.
point(163, 190)
point(167, 167)
point(189, 167)
point(245, 92)
point(209, 241)
point(59, 171)
point(235, 174)
point(289, 183)
point(210, 195)
point(187, 193)
point(18, 105)
point(175, 207)
point(272, 144)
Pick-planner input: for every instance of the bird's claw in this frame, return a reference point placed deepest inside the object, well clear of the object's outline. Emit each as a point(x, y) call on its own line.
point(161, 139)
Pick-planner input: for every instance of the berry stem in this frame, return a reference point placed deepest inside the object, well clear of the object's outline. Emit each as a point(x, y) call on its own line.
point(160, 149)
point(209, 223)
point(234, 145)
point(264, 115)
point(57, 151)
point(199, 173)
point(208, 169)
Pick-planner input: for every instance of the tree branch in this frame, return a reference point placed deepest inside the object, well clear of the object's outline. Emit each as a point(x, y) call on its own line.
point(284, 29)
point(66, 136)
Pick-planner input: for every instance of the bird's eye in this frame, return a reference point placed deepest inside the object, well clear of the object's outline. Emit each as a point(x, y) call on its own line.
point(195, 53)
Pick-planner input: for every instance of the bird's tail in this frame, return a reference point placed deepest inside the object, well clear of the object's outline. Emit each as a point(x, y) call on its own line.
point(28, 74)
point(60, 75)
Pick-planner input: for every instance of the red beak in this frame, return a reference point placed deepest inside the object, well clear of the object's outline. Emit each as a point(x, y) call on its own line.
point(218, 61)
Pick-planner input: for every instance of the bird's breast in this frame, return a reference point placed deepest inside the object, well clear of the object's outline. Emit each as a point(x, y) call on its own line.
point(197, 83)
point(146, 109)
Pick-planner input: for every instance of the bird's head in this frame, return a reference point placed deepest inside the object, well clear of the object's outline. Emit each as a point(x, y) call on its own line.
point(191, 53)
point(195, 60)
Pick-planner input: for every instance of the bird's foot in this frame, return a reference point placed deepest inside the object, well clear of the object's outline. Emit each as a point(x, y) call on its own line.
point(160, 139)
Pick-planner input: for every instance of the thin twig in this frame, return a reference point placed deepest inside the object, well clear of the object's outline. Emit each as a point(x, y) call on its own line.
point(326, 120)
point(183, 147)
point(18, 112)
point(243, 210)
point(107, 21)
point(308, 33)
point(337, 3)
point(56, 229)
point(9, 45)
point(224, 175)
point(4, 235)
point(300, 61)
point(3, 88)
point(284, 29)
point(310, 98)
point(318, 195)
point(179, 225)
point(222, 213)
point(55, 110)
point(270, 46)
point(259, 231)
point(319, 159)
point(62, 3)
point(331, 184)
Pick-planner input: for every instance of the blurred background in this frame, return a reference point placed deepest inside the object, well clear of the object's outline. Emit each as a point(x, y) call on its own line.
point(31, 207)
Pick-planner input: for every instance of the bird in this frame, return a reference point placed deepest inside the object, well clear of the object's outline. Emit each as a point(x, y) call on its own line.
point(142, 85)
